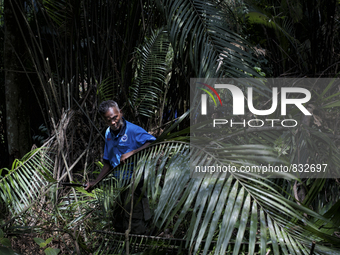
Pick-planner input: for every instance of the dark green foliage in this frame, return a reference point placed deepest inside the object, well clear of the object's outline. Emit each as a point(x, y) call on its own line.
point(142, 54)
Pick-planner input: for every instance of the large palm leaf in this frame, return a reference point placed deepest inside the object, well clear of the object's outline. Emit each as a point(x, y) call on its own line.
point(228, 210)
point(231, 209)
point(200, 28)
point(227, 213)
point(149, 85)
point(27, 181)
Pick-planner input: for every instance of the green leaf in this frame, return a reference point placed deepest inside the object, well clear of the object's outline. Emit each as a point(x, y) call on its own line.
point(332, 104)
point(148, 86)
point(5, 242)
point(273, 236)
point(263, 229)
point(242, 225)
point(230, 224)
point(51, 251)
point(22, 186)
point(7, 251)
point(40, 242)
point(48, 240)
point(281, 240)
point(253, 229)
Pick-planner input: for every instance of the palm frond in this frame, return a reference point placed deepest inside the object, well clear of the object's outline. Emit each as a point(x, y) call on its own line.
point(29, 179)
point(150, 80)
point(106, 89)
point(227, 210)
point(200, 28)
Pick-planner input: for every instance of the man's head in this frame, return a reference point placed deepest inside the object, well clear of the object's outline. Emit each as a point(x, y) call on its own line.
point(111, 113)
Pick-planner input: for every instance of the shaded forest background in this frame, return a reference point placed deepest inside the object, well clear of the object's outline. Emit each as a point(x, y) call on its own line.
point(62, 58)
point(285, 39)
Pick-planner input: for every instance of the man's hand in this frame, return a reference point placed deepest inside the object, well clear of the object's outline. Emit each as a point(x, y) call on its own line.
point(129, 154)
point(125, 156)
point(89, 186)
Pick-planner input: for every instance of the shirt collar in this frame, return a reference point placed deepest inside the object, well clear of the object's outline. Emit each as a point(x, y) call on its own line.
point(122, 129)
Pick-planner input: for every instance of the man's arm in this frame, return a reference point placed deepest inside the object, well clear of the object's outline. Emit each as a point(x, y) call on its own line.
point(107, 166)
point(104, 171)
point(129, 154)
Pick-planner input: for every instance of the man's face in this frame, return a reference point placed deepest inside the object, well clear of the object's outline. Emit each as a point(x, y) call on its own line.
point(113, 118)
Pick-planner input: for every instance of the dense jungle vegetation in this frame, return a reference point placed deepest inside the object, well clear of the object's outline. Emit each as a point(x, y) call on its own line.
point(61, 58)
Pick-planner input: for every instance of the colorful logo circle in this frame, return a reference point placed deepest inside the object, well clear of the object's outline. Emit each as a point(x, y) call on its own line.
point(124, 138)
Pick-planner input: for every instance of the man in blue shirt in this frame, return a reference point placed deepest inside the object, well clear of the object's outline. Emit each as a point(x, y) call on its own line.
point(123, 139)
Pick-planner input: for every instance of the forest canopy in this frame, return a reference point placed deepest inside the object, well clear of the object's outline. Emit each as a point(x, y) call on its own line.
point(62, 58)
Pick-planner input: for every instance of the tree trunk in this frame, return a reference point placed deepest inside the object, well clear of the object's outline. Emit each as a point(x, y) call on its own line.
point(16, 84)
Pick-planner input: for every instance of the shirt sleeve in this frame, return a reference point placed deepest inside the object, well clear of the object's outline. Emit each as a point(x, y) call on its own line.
point(106, 161)
point(143, 137)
